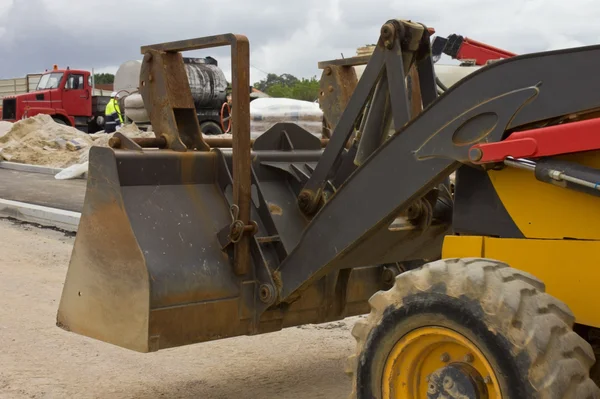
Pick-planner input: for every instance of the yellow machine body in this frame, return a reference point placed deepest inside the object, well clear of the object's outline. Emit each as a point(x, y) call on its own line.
point(561, 246)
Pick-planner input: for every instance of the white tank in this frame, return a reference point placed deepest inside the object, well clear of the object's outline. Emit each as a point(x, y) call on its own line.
point(448, 74)
point(135, 110)
point(127, 79)
point(207, 84)
point(128, 76)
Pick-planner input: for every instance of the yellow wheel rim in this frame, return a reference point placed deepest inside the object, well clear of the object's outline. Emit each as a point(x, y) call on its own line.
point(427, 358)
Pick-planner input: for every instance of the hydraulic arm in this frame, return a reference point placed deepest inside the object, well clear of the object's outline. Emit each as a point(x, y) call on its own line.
point(182, 240)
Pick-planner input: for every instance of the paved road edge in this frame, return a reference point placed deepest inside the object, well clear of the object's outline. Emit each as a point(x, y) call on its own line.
point(42, 215)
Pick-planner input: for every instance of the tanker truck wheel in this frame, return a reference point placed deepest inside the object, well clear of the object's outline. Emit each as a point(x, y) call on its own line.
point(469, 329)
point(210, 128)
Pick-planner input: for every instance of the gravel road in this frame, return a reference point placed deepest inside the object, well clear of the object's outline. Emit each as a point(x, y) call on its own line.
point(39, 360)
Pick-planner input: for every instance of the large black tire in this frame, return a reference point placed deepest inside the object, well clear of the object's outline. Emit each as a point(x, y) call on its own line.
point(210, 128)
point(525, 334)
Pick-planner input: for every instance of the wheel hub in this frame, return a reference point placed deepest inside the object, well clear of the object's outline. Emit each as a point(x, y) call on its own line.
point(456, 381)
point(438, 363)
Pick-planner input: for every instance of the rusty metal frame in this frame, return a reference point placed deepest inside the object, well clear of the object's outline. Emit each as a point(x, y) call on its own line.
point(240, 67)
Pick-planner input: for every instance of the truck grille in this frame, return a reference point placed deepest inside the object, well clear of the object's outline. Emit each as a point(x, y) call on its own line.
point(9, 108)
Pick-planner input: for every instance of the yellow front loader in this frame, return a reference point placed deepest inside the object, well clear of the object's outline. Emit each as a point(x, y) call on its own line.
point(481, 289)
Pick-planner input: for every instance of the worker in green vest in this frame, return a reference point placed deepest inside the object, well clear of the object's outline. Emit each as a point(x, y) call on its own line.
point(113, 117)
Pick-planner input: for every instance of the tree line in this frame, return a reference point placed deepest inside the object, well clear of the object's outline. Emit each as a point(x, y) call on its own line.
point(289, 86)
point(282, 86)
point(104, 78)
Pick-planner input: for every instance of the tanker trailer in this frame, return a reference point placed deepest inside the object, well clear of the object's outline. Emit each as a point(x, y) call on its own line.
point(207, 83)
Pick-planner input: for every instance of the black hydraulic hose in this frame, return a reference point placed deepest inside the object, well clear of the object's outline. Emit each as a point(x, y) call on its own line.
point(562, 173)
point(440, 84)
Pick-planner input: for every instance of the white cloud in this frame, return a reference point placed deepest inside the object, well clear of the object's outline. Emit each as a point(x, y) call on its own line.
point(285, 36)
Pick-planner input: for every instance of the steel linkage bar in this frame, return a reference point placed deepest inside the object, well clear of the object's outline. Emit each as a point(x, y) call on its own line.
point(392, 57)
point(481, 108)
point(310, 196)
point(426, 71)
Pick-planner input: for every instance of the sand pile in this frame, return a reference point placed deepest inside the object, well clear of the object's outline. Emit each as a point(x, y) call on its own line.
point(41, 141)
point(5, 127)
point(101, 139)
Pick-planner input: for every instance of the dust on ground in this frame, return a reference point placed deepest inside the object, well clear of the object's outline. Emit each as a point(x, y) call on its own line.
point(39, 360)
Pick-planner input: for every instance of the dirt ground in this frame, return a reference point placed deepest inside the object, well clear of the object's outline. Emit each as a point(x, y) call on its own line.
point(39, 360)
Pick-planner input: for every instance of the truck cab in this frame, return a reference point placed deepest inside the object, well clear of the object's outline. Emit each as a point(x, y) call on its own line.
point(64, 94)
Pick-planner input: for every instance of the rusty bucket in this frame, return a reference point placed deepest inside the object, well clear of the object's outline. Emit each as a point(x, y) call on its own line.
point(147, 251)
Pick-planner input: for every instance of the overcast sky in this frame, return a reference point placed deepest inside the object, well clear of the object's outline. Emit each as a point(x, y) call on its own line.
point(285, 36)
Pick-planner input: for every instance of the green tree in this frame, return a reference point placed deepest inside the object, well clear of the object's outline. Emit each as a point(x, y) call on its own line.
point(289, 86)
point(279, 90)
point(272, 79)
point(306, 89)
point(104, 78)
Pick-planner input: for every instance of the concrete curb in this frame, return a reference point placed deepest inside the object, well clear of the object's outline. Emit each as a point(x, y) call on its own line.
point(23, 167)
point(42, 215)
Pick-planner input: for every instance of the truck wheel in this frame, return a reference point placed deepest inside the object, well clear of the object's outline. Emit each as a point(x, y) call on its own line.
point(59, 121)
point(469, 328)
point(210, 128)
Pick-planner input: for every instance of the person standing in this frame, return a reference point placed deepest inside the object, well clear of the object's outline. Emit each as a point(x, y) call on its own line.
point(113, 117)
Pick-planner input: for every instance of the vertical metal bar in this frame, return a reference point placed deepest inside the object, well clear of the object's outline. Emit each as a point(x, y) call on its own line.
point(395, 66)
point(427, 80)
point(377, 122)
point(415, 93)
point(240, 60)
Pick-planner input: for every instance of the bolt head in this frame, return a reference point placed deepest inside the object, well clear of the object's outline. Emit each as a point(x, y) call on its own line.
point(475, 154)
point(330, 88)
point(469, 358)
point(448, 382)
point(388, 276)
point(305, 201)
point(266, 293)
point(328, 71)
point(445, 358)
point(487, 380)
point(387, 30)
point(432, 389)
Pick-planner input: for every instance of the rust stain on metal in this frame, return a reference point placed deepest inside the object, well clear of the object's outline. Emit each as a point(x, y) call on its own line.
point(240, 59)
point(276, 275)
point(415, 93)
point(275, 209)
point(336, 87)
point(168, 99)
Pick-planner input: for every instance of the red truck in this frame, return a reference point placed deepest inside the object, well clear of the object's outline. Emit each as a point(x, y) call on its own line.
point(65, 94)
